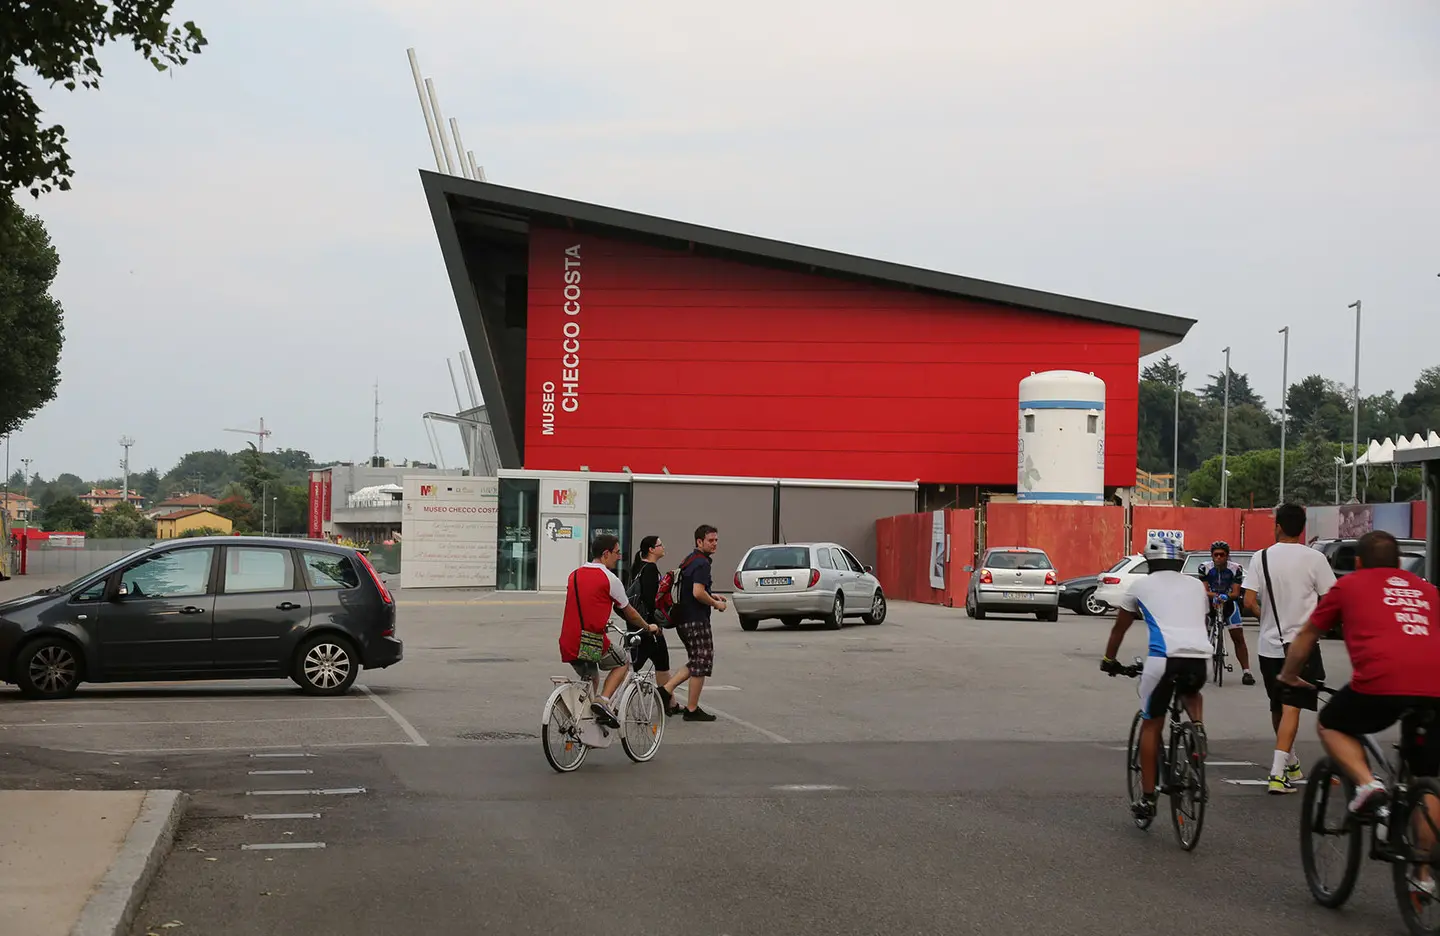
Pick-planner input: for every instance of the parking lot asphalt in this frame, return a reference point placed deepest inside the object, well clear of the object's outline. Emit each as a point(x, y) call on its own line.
point(930, 774)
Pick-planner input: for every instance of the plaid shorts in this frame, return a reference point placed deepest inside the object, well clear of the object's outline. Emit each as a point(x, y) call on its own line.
point(699, 643)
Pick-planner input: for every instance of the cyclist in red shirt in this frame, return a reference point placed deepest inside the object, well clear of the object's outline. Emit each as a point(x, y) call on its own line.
point(1392, 631)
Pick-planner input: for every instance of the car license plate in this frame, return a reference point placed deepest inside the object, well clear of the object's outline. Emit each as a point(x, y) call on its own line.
point(777, 580)
point(1008, 595)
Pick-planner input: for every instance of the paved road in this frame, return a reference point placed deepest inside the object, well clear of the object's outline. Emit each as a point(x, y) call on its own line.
point(933, 774)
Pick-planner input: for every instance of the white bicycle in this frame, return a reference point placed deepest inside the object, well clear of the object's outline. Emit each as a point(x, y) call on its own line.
point(569, 728)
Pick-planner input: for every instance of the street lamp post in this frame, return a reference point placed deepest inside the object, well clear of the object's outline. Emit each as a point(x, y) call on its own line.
point(1175, 458)
point(1225, 439)
point(1355, 409)
point(26, 462)
point(1284, 407)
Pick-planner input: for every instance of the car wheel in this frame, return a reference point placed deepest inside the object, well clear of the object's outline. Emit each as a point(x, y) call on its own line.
point(976, 612)
point(1091, 604)
point(790, 621)
point(749, 623)
point(326, 665)
point(836, 618)
point(49, 668)
point(1051, 615)
point(877, 609)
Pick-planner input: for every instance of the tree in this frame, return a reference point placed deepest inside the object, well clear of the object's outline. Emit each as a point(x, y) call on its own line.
point(123, 521)
point(58, 41)
point(31, 320)
point(202, 531)
point(255, 474)
point(1241, 393)
point(67, 515)
point(244, 515)
point(147, 485)
point(1320, 406)
point(1164, 371)
point(1419, 409)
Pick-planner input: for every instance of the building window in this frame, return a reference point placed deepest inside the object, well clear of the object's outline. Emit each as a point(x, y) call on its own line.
point(610, 512)
point(515, 567)
point(1029, 422)
point(1092, 424)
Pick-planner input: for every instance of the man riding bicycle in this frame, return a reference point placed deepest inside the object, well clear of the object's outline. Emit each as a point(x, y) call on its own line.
point(1391, 627)
point(1223, 583)
point(1173, 606)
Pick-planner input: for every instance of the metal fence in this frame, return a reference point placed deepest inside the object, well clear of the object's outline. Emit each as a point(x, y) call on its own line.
point(44, 559)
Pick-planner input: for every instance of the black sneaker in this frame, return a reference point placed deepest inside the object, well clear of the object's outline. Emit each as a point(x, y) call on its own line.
point(604, 716)
point(1247, 680)
point(1144, 808)
point(698, 714)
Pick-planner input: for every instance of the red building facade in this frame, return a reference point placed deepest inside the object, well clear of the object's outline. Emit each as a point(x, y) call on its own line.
point(613, 341)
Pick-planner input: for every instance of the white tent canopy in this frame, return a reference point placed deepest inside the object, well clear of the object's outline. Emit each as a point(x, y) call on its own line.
point(1383, 453)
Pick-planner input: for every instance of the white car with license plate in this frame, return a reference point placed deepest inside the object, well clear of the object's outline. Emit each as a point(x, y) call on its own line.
point(1014, 580)
point(797, 582)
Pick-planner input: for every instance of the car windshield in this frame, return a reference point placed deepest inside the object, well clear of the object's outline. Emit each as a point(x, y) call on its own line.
point(1017, 560)
point(72, 585)
point(778, 557)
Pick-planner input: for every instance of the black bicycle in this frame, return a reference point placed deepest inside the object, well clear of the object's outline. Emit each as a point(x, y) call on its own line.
point(1403, 832)
point(1180, 773)
point(1216, 628)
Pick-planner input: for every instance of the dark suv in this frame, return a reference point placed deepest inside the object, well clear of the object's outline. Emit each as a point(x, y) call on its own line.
point(223, 607)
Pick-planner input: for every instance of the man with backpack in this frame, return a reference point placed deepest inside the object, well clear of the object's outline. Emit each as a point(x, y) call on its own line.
point(692, 621)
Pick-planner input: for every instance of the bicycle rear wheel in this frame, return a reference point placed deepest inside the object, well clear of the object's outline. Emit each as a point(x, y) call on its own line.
point(1415, 887)
point(1330, 839)
point(560, 736)
point(642, 721)
point(1133, 786)
point(1188, 792)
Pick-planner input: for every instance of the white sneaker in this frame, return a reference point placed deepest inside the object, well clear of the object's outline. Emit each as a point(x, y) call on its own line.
point(1369, 798)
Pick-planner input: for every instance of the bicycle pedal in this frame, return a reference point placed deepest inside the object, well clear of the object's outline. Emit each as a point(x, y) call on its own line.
point(1229, 668)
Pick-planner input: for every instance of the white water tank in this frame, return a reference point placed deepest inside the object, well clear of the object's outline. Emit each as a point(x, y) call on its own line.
point(1062, 439)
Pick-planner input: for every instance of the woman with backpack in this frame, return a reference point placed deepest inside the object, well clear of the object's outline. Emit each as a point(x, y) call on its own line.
point(644, 589)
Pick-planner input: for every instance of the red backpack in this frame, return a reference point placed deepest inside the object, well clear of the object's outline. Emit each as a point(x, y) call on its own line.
point(667, 598)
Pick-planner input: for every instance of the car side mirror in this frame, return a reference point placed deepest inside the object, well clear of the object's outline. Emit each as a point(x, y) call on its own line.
point(968, 569)
point(122, 590)
point(869, 570)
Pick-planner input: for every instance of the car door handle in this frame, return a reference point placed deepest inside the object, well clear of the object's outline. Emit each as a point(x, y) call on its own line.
point(191, 609)
point(287, 606)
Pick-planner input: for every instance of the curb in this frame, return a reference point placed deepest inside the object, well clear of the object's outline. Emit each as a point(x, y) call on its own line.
point(112, 908)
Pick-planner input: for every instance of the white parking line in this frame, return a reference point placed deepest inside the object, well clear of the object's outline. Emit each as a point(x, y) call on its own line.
point(1230, 763)
point(279, 773)
point(277, 846)
point(341, 791)
point(208, 721)
point(399, 719)
point(1258, 782)
point(251, 747)
point(283, 815)
point(741, 722)
point(806, 787)
point(282, 755)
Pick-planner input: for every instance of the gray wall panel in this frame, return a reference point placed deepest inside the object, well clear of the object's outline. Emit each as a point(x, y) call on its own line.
point(840, 515)
point(744, 514)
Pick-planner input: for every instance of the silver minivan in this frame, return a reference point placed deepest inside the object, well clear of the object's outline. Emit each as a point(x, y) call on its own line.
point(805, 581)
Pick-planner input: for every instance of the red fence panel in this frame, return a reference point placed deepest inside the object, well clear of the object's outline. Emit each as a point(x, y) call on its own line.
point(1080, 540)
point(1257, 530)
point(887, 556)
point(961, 525)
point(1202, 525)
point(1419, 519)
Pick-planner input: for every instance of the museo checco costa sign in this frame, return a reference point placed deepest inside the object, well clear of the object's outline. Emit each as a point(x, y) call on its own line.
point(563, 393)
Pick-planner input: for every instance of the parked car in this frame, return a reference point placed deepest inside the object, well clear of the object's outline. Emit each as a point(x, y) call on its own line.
point(1079, 594)
point(206, 608)
point(1340, 553)
point(1239, 557)
point(1014, 580)
point(805, 581)
point(1113, 582)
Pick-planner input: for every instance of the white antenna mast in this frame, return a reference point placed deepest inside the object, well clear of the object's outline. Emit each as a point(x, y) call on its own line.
point(375, 458)
point(125, 443)
point(425, 109)
point(451, 156)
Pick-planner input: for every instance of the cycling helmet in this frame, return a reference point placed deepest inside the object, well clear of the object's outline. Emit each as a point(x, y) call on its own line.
point(1158, 547)
point(1219, 544)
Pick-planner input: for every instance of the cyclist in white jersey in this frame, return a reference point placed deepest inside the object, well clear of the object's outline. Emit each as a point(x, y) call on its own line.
point(1173, 607)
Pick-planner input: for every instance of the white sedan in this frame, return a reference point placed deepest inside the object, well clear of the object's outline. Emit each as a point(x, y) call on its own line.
point(1114, 582)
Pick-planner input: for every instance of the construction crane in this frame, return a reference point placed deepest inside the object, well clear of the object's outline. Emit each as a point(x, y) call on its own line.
point(262, 432)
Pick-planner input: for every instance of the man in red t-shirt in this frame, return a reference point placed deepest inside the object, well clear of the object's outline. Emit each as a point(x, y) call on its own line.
point(1392, 631)
point(591, 593)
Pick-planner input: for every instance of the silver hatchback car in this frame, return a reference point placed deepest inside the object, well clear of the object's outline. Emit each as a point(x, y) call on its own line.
point(1014, 580)
point(805, 581)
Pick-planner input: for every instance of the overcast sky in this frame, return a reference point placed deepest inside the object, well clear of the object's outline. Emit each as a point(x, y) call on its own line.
point(247, 236)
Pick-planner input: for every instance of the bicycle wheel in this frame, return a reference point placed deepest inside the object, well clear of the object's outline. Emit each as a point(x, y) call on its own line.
point(1133, 786)
point(560, 736)
point(1416, 890)
point(1330, 839)
point(1188, 792)
point(642, 721)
